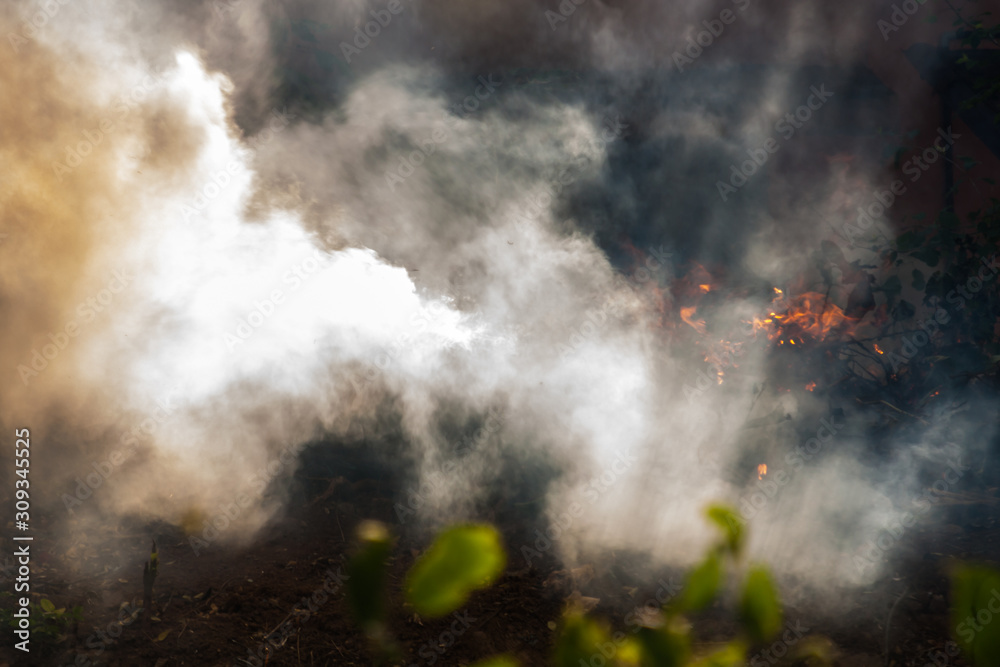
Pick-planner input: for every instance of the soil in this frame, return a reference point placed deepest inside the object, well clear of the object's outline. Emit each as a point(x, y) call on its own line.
point(217, 606)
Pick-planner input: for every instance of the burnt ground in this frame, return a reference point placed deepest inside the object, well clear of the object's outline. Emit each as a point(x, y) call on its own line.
point(217, 607)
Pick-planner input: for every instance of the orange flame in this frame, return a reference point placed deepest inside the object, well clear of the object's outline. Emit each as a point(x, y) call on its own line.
point(878, 349)
point(705, 288)
point(810, 386)
point(761, 470)
point(810, 314)
point(686, 315)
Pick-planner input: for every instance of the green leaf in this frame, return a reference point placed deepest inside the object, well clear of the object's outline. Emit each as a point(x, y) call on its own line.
point(919, 283)
point(47, 605)
point(662, 647)
point(731, 524)
point(580, 640)
point(366, 574)
point(760, 609)
point(461, 560)
point(497, 661)
point(974, 589)
point(702, 584)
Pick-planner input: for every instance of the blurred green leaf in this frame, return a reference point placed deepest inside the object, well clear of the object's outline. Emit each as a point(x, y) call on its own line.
point(760, 608)
point(975, 589)
point(47, 605)
point(461, 560)
point(731, 524)
point(702, 584)
point(366, 574)
point(662, 647)
point(580, 640)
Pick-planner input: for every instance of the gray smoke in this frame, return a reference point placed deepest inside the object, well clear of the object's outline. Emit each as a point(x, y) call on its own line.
point(440, 233)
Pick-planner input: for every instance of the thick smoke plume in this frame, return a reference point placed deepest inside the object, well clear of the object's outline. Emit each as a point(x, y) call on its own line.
point(219, 250)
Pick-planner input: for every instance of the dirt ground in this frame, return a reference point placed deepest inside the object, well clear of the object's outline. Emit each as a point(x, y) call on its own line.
point(216, 607)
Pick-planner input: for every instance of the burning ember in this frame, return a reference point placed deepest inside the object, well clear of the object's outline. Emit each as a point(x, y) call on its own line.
point(811, 386)
point(761, 470)
point(877, 348)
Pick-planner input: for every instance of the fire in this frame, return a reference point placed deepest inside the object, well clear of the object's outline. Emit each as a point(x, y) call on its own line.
point(810, 386)
point(705, 288)
point(878, 349)
point(686, 315)
point(810, 313)
point(761, 470)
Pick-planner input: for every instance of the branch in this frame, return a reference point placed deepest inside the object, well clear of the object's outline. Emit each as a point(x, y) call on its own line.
point(964, 20)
